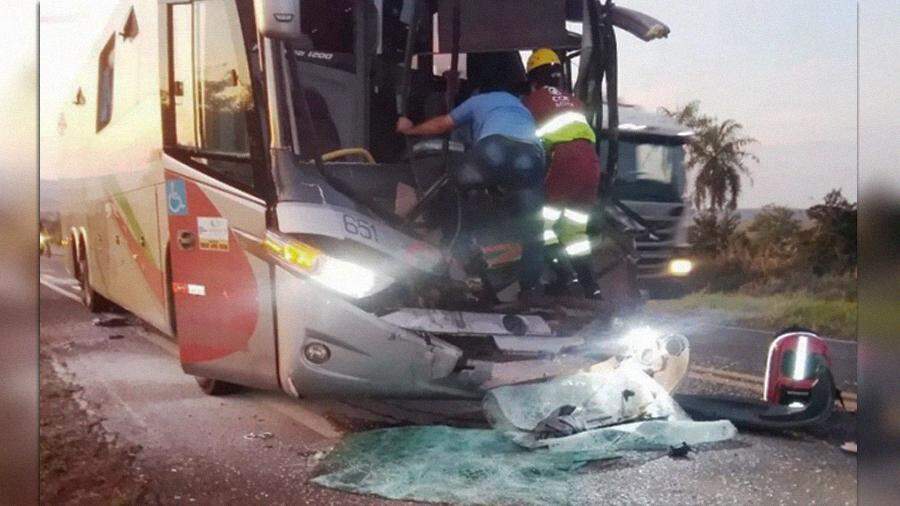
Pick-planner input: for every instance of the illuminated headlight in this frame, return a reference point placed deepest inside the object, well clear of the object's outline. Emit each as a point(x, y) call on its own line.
point(642, 338)
point(680, 267)
point(342, 276)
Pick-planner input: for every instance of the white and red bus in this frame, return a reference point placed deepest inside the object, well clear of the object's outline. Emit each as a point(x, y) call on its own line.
point(232, 177)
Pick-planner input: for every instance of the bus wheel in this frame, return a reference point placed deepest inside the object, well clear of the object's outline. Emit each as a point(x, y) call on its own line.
point(91, 299)
point(216, 387)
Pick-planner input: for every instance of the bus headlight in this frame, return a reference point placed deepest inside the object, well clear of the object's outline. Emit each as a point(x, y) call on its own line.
point(342, 276)
point(680, 266)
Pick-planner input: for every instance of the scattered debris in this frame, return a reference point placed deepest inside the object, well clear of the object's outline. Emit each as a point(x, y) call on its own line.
point(849, 447)
point(261, 435)
point(313, 460)
point(111, 321)
point(541, 433)
point(680, 452)
point(116, 336)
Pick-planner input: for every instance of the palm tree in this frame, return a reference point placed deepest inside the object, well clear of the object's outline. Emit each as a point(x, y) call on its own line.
point(719, 152)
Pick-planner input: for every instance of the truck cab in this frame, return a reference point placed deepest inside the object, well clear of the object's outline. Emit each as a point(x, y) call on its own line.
point(651, 180)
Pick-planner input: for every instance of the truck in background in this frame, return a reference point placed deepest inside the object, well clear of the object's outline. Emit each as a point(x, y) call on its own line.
point(651, 180)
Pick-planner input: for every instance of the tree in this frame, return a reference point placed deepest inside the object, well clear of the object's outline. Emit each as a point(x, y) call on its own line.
point(832, 246)
point(718, 151)
point(712, 234)
point(774, 238)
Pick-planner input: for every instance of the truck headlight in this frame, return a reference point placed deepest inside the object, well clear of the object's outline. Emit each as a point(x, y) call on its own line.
point(680, 266)
point(342, 276)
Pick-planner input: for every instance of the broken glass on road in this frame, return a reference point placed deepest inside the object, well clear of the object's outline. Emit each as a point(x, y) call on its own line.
point(526, 458)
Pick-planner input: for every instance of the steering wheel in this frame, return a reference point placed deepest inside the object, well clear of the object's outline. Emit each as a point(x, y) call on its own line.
point(345, 152)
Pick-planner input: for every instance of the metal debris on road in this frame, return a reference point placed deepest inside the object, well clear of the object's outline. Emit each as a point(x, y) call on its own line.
point(680, 452)
point(112, 321)
point(261, 435)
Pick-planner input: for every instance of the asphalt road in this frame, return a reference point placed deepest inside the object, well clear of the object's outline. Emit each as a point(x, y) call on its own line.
point(200, 449)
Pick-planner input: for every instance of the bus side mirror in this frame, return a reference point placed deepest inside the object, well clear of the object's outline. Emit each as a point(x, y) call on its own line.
point(278, 19)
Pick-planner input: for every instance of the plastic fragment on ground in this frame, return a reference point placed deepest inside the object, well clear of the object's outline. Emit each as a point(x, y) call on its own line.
point(601, 399)
point(644, 436)
point(849, 447)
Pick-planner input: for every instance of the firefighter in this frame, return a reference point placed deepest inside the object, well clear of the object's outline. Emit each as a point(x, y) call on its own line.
point(573, 176)
point(507, 153)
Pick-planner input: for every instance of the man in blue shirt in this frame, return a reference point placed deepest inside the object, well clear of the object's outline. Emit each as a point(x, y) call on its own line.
point(506, 153)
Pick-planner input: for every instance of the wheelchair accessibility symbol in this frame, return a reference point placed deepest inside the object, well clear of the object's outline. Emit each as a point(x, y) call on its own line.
point(176, 196)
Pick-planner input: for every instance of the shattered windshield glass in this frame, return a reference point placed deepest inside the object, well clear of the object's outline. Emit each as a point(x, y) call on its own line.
point(520, 461)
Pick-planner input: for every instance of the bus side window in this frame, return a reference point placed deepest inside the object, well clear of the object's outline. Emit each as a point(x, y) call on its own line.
point(183, 76)
point(105, 84)
point(211, 88)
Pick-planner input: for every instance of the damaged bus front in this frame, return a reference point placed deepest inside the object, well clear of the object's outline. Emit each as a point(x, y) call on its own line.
point(369, 297)
point(274, 223)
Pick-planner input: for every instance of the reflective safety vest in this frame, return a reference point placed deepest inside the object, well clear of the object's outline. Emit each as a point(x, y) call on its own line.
point(559, 116)
point(567, 227)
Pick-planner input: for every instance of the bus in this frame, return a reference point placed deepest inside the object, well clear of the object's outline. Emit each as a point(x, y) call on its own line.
point(232, 177)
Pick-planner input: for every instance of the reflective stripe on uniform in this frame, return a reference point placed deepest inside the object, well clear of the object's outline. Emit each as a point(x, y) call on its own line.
point(579, 248)
point(551, 213)
point(566, 226)
point(575, 216)
point(550, 237)
point(557, 122)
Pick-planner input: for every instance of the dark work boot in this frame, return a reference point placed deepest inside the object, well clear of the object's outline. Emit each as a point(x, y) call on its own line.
point(582, 266)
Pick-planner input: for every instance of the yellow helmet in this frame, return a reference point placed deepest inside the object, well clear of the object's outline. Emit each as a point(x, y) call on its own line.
point(541, 57)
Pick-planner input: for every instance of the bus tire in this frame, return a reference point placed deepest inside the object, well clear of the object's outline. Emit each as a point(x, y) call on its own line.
point(92, 300)
point(216, 387)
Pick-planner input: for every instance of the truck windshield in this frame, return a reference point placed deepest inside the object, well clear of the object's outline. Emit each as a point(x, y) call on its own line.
point(650, 164)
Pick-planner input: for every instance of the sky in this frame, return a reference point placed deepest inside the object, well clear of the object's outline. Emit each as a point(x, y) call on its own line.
point(786, 70)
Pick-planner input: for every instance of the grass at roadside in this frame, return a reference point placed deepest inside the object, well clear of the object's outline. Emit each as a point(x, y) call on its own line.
point(831, 317)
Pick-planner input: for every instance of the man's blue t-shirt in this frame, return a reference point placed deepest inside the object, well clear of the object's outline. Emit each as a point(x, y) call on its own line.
point(497, 112)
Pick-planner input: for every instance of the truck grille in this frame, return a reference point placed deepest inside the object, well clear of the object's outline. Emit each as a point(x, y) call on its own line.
point(654, 254)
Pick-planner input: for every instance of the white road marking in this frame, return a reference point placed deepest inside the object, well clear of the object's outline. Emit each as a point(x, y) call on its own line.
point(295, 410)
point(729, 374)
point(725, 381)
point(291, 408)
point(737, 381)
point(767, 333)
point(756, 381)
point(161, 342)
point(60, 290)
point(59, 280)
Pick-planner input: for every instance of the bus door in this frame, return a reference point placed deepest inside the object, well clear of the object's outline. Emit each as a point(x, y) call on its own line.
point(221, 288)
point(330, 63)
